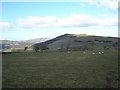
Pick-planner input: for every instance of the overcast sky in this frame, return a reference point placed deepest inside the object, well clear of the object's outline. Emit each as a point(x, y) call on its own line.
point(29, 20)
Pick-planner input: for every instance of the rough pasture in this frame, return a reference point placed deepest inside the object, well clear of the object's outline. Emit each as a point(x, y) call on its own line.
point(61, 70)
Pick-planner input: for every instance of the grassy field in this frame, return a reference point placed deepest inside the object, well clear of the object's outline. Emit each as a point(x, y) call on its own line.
point(60, 70)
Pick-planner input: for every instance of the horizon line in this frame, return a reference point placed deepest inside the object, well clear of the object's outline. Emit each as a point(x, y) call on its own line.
point(60, 35)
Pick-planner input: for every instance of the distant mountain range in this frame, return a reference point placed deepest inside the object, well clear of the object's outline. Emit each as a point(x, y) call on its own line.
point(38, 40)
point(20, 44)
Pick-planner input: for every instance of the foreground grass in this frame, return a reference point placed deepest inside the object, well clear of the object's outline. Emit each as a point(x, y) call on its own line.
point(60, 70)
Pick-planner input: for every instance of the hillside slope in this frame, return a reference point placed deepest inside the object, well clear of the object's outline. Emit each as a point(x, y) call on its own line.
point(78, 41)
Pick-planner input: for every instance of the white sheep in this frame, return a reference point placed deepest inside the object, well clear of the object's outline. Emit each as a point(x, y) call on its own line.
point(93, 53)
point(99, 53)
point(84, 52)
point(102, 52)
point(68, 51)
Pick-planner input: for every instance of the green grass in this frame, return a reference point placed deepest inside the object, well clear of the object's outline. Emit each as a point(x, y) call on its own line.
point(17, 50)
point(60, 70)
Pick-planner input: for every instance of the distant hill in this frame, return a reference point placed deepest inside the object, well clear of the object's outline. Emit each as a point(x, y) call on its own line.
point(6, 44)
point(38, 40)
point(80, 41)
point(20, 44)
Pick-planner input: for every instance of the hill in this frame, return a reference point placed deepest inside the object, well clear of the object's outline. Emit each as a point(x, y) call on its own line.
point(80, 42)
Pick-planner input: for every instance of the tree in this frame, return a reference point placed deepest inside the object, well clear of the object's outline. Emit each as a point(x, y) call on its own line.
point(25, 48)
point(68, 46)
point(36, 48)
point(40, 47)
point(43, 47)
point(115, 44)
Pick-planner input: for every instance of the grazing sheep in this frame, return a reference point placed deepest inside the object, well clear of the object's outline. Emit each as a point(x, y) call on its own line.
point(84, 52)
point(68, 51)
point(93, 53)
point(102, 52)
point(99, 53)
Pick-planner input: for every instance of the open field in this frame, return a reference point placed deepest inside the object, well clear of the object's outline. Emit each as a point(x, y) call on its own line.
point(60, 70)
